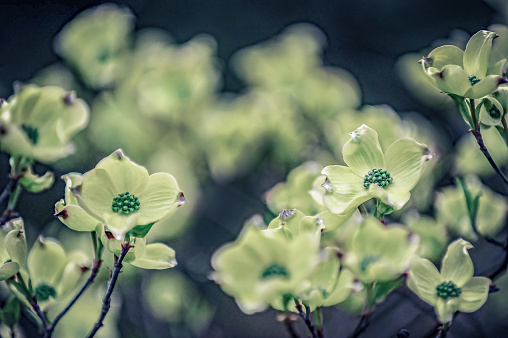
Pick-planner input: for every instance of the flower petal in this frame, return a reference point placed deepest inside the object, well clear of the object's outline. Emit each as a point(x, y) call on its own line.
point(362, 152)
point(452, 79)
point(157, 256)
point(125, 174)
point(46, 261)
point(396, 198)
point(344, 189)
point(446, 308)
point(446, 55)
point(120, 225)
point(96, 193)
point(8, 270)
point(457, 265)
point(477, 53)
point(474, 294)
point(404, 161)
point(160, 195)
point(423, 278)
point(486, 86)
point(75, 217)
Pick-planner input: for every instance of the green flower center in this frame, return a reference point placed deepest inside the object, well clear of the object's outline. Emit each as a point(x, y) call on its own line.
point(275, 270)
point(473, 80)
point(447, 290)
point(377, 176)
point(366, 262)
point(31, 132)
point(125, 203)
point(44, 292)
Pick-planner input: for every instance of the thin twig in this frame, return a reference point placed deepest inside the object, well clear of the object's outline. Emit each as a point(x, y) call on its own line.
point(306, 318)
point(505, 127)
point(39, 313)
point(479, 139)
point(95, 269)
point(106, 302)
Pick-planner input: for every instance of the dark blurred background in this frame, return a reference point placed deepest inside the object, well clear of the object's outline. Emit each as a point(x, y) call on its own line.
point(364, 37)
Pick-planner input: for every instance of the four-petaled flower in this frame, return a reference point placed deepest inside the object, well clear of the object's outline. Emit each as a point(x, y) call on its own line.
point(455, 288)
point(38, 122)
point(388, 177)
point(466, 73)
point(120, 195)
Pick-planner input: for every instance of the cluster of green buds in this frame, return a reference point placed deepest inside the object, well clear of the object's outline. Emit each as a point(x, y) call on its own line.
point(379, 176)
point(125, 203)
point(448, 290)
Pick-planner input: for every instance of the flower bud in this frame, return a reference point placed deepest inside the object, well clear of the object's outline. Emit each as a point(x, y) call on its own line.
point(34, 183)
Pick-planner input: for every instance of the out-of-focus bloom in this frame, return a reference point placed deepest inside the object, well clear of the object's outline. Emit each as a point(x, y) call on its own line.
point(452, 210)
point(38, 122)
point(379, 253)
point(371, 174)
point(454, 288)
point(54, 273)
point(466, 73)
point(13, 249)
point(121, 195)
point(95, 43)
point(262, 266)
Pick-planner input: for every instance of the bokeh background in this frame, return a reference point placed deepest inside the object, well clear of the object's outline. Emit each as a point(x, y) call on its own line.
point(365, 38)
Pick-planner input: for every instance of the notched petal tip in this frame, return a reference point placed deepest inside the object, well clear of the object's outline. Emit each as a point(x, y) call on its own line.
point(180, 200)
point(119, 154)
point(328, 186)
point(69, 98)
point(77, 189)
point(63, 214)
point(287, 213)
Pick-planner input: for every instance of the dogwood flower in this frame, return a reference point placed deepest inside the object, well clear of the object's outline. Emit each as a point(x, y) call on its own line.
point(454, 288)
point(38, 122)
point(466, 73)
point(379, 253)
point(120, 195)
point(262, 266)
point(388, 177)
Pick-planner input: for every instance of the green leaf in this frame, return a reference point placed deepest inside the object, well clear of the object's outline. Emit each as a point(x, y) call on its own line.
point(463, 108)
point(11, 312)
point(140, 230)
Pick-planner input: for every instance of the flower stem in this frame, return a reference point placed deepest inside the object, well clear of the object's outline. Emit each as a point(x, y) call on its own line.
point(95, 270)
point(364, 320)
point(505, 127)
point(318, 318)
point(306, 317)
point(479, 139)
point(106, 301)
point(362, 210)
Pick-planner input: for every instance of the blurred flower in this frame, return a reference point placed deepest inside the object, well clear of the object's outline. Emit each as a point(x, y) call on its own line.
point(121, 195)
point(470, 160)
point(455, 288)
point(38, 122)
point(95, 43)
point(13, 249)
point(379, 253)
point(371, 174)
point(54, 273)
point(262, 266)
point(451, 210)
point(466, 73)
point(295, 192)
point(433, 235)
